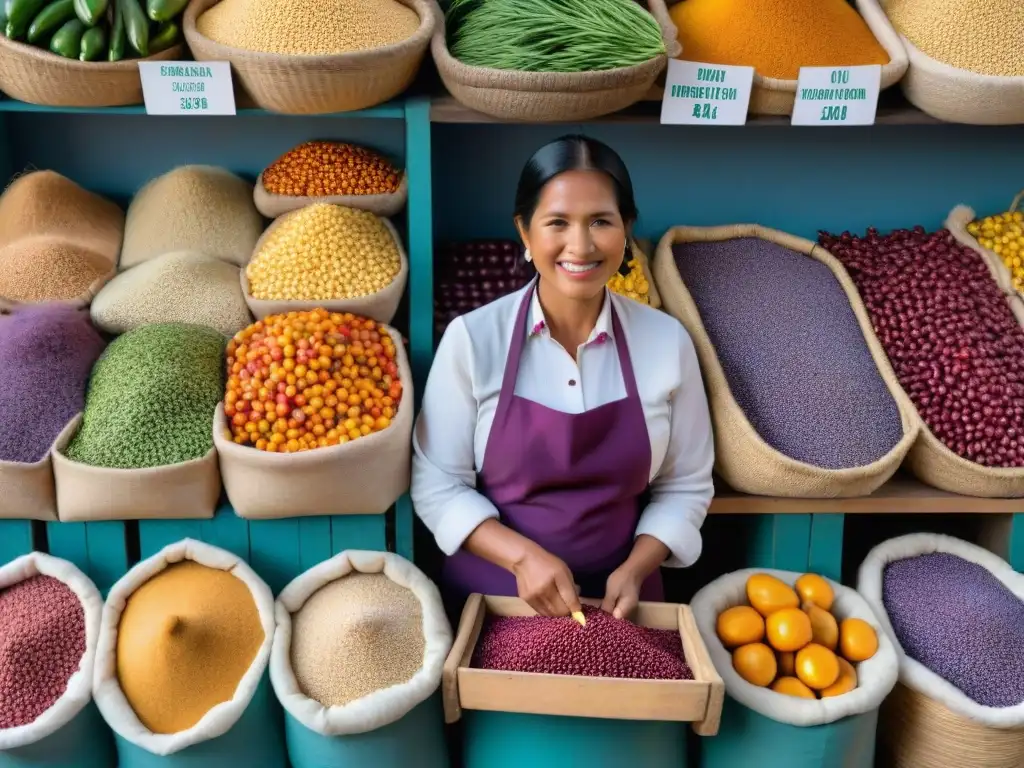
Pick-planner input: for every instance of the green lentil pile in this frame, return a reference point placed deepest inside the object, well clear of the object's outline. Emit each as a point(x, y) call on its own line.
point(151, 398)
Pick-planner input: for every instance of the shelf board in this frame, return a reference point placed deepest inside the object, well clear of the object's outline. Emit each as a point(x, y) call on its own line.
point(392, 109)
point(901, 495)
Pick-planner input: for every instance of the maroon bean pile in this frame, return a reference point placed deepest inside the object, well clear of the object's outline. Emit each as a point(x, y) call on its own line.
point(957, 619)
point(606, 647)
point(954, 343)
point(794, 356)
point(42, 640)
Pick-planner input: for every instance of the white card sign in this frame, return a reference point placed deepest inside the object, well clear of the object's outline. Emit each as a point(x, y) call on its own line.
point(837, 95)
point(706, 94)
point(187, 87)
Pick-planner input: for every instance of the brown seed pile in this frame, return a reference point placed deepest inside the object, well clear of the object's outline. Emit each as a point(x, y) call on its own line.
point(308, 27)
point(605, 647)
point(41, 269)
point(329, 168)
point(42, 641)
point(354, 636)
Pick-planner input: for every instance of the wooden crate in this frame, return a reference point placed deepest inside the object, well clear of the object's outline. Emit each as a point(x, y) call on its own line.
point(697, 701)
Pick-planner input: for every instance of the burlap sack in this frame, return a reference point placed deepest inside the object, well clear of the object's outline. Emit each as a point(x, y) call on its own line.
point(742, 458)
point(272, 205)
point(957, 222)
point(187, 490)
point(28, 491)
point(640, 249)
point(363, 477)
point(380, 306)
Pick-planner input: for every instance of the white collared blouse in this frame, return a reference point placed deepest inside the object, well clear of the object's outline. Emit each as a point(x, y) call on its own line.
point(461, 397)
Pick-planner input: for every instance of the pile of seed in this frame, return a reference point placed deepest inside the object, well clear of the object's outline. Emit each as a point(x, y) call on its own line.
point(308, 27)
point(792, 351)
point(40, 270)
point(46, 354)
point(42, 641)
point(192, 208)
point(152, 397)
point(958, 620)
point(329, 168)
point(986, 38)
point(182, 287)
point(185, 641)
point(357, 635)
point(605, 647)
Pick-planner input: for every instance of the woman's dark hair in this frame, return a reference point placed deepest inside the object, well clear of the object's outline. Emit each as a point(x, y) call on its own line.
point(573, 153)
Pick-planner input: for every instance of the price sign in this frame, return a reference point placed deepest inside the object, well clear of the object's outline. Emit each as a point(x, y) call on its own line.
point(837, 95)
point(706, 94)
point(187, 87)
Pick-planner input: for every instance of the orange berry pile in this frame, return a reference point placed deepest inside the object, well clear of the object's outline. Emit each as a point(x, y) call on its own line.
point(325, 168)
point(310, 379)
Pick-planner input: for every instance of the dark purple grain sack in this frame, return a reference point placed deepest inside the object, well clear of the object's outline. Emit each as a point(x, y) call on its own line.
point(42, 640)
point(961, 622)
point(792, 351)
point(46, 354)
point(606, 647)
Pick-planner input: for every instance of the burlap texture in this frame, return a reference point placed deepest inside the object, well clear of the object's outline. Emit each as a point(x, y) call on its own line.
point(363, 477)
point(86, 493)
point(380, 306)
point(742, 458)
point(28, 491)
point(957, 222)
point(640, 250)
point(272, 205)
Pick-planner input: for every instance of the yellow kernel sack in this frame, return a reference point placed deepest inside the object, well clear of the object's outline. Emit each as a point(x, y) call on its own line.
point(1007, 269)
point(625, 285)
point(362, 477)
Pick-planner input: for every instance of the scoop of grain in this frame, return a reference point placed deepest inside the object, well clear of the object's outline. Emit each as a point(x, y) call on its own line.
point(46, 354)
point(308, 26)
point(324, 252)
point(359, 634)
point(46, 204)
point(186, 638)
point(192, 208)
point(182, 287)
point(151, 398)
point(40, 269)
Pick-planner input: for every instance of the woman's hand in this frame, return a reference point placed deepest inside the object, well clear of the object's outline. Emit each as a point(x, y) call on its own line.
point(546, 583)
point(622, 591)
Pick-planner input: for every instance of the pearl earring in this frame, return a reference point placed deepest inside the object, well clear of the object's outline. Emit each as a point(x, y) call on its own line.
point(527, 255)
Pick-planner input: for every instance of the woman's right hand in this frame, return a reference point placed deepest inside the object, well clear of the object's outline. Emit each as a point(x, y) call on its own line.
point(546, 583)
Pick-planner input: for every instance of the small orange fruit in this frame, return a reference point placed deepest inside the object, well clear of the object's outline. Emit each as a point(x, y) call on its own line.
point(845, 683)
point(824, 628)
point(816, 666)
point(812, 588)
point(768, 594)
point(787, 663)
point(755, 663)
point(857, 640)
point(740, 625)
point(790, 686)
point(788, 629)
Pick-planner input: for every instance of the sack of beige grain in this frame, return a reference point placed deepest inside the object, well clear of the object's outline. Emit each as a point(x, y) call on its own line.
point(49, 626)
point(192, 208)
point(181, 665)
point(358, 652)
point(180, 287)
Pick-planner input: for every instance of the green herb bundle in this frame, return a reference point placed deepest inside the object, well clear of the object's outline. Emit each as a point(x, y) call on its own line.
point(552, 35)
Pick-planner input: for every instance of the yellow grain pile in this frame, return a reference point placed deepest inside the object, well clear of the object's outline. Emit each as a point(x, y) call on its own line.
point(981, 36)
point(186, 639)
point(308, 27)
point(40, 269)
point(354, 636)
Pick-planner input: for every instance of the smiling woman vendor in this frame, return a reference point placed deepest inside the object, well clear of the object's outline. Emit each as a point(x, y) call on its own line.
point(550, 413)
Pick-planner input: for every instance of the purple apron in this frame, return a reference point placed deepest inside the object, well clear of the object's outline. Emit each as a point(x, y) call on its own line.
point(572, 483)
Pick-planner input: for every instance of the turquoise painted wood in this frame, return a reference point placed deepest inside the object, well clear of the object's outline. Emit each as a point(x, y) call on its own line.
point(98, 549)
point(826, 552)
point(1016, 548)
point(781, 541)
point(225, 530)
point(15, 539)
point(85, 742)
point(418, 739)
point(747, 738)
point(513, 740)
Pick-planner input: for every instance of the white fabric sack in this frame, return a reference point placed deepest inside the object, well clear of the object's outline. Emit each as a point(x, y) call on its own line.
point(876, 677)
point(107, 689)
point(379, 708)
point(913, 674)
point(79, 690)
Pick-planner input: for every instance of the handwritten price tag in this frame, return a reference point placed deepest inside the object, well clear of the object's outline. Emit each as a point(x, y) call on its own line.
point(187, 87)
point(837, 95)
point(706, 94)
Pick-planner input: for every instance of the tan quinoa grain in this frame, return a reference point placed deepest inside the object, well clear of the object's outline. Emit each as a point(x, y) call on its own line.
point(310, 27)
point(40, 269)
point(354, 636)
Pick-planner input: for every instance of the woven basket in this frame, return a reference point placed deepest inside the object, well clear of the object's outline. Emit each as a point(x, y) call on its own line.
point(312, 85)
point(544, 97)
point(957, 222)
point(273, 205)
point(39, 77)
point(742, 458)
